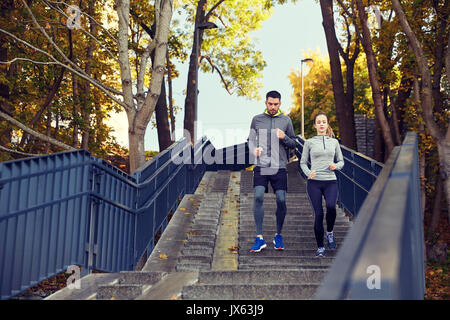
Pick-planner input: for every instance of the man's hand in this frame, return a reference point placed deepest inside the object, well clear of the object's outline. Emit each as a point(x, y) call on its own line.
point(312, 174)
point(258, 152)
point(333, 166)
point(280, 134)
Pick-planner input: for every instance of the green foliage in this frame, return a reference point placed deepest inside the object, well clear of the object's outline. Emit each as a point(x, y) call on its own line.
point(230, 48)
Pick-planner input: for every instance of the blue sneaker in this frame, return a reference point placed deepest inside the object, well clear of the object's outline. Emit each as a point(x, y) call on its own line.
point(331, 242)
point(278, 242)
point(259, 245)
point(320, 252)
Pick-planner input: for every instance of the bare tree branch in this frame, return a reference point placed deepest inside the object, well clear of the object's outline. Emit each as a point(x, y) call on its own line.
point(212, 9)
point(28, 60)
point(218, 70)
point(85, 31)
point(36, 134)
point(107, 90)
point(19, 152)
point(87, 15)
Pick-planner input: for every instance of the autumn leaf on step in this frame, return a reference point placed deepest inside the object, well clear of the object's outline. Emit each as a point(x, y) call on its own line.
point(162, 256)
point(234, 249)
point(183, 209)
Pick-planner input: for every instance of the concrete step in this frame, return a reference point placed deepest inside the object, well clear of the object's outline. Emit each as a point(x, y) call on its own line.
point(140, 277)
point(193, 242)
point(249, 292)
point(129, 285)
point(287, 238)
point(286, 253)
point(272, 211)
point(259, 276)
point(119, 291)
point(194, 260)
point(288, 228)
point(275, 261)
point(307, 245)
point(206, 236)
point(192, 267)
point(205, 251)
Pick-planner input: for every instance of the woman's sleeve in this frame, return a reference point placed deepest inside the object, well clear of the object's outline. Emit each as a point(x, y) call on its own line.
point(304, 159)
point(339, 156)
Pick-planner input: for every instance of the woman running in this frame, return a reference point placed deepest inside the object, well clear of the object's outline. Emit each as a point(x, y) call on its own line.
point(322, 149)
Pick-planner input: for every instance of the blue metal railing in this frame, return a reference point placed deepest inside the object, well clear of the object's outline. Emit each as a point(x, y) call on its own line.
point(354, 180)
point(74, 209)
point(382, 257)
point(71, 208)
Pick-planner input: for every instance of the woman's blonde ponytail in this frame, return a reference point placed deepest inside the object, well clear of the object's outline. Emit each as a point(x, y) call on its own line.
point(330, 132)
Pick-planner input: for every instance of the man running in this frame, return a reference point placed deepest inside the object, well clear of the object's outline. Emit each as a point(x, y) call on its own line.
point(271, 137)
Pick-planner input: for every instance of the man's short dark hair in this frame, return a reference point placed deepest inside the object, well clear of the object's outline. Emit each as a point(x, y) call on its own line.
point(273, 94)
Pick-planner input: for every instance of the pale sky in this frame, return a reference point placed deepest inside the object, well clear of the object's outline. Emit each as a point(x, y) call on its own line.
point(291, 31)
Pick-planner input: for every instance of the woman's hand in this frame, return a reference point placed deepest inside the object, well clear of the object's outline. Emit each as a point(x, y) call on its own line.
point(333, 166)
point(312, 174)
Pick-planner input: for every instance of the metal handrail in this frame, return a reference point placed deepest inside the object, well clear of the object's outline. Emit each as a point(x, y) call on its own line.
point(92, 199)
point(382, 256)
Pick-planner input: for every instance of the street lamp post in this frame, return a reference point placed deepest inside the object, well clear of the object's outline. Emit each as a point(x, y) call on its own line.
point(303, 109)
point(201, 26)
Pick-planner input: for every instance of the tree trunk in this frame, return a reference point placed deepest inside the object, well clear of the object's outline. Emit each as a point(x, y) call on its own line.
point(439, 52)
point(436, 205)
point(139, 116)
point(442, 142)
point(137, 150)
point(48, 100)
point(378, 144)
point(422, 159)
point(162, 120)
point(372, 69)
point(86, 109)
point(170, 98)
point(344, 115)
point(75, 96)
point(189, 103)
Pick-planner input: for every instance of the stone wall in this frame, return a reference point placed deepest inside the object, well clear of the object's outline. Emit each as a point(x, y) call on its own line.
point(365, 134)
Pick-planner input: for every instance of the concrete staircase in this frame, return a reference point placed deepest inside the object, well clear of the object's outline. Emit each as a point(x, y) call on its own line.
point(204, 251)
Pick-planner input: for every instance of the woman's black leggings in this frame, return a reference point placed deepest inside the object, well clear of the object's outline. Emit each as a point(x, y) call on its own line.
point(329, 190)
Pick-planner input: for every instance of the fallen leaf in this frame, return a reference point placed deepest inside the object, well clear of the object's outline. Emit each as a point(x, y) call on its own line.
point(162, 256)
point(112, 298)
point(186, 213)
point(168, 239)
point(183, 209)
point(234, 249)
